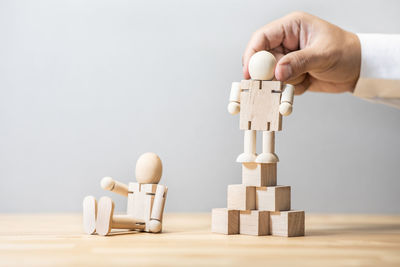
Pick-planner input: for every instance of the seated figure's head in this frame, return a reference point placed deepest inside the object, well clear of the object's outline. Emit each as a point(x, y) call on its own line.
point(148, 169)
point(262, 66)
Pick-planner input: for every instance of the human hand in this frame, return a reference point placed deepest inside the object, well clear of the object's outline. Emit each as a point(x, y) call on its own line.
point(312, 54)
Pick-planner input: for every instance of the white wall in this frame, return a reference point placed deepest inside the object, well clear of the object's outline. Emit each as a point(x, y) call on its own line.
point(87, 86)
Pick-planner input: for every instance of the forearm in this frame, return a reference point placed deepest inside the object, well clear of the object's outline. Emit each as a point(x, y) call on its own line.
point(107, 183)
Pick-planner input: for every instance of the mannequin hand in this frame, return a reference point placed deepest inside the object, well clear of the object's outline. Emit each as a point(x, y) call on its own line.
point(285, 108)
point(233, 108)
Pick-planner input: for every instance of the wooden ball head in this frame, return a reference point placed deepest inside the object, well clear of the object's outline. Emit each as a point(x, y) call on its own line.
point(148, 169)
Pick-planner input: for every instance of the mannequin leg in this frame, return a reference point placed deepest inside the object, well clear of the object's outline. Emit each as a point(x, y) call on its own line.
point(249, 154)
point(268, 154)
point(105, 212)
point(126, 222)
point(89, 214)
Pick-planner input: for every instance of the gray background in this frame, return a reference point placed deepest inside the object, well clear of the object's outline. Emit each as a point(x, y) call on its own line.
point(87, 86)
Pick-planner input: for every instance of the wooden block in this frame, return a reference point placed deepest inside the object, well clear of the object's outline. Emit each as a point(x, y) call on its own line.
point(259, 106)
point(273, 198)
point(287, 223)
point(225, 221)
point(254, 222)
point(241, 197)
point(259, 174)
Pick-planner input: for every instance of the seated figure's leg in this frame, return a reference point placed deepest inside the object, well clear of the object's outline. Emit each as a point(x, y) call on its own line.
point(105, 213)
point(249, 154)
point(89, 214)
point(268, 154)
point(127, 222)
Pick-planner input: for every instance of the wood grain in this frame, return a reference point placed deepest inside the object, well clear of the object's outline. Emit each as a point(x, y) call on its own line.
point(331, 240)
point(241, 197)
point(259, 174)
point(273, 198)
point(259, 106)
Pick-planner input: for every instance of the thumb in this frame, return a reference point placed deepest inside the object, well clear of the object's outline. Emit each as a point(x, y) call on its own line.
point(296, 63)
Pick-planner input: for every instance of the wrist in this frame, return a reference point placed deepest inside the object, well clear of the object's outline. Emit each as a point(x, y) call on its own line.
point(354, 54)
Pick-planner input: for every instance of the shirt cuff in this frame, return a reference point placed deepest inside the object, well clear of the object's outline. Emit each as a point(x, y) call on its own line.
point(380, 68)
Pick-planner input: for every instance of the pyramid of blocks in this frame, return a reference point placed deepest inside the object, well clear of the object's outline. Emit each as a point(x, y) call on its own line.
point(258, 206)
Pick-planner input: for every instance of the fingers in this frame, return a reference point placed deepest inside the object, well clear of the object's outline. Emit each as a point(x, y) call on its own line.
point(303, 86)
point(297, 63)
point(282, 32)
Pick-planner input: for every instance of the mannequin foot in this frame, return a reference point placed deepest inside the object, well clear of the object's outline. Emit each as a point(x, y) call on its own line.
point(246, 157)
point(267, 158)
point(89, 214)
point(105, 212)
point(155, 226)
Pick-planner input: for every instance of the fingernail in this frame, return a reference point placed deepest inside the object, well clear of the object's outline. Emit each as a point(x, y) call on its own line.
point(285, 72)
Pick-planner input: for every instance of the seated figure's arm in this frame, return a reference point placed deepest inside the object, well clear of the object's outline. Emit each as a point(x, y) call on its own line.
point(286, 106)
point(108, 183)
point(158, 209)
point(234, 98)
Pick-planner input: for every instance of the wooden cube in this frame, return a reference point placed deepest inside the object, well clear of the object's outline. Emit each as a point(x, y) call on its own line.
point(241, 197)
point(259, 174)
point(254, 222)
point(287, 223)
point(273, 198)
point(225, 221)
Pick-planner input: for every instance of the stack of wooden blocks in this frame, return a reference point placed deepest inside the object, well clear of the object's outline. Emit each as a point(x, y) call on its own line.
point(258, 206)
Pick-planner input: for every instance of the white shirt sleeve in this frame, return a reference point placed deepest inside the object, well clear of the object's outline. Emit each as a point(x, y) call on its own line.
point(380, 68)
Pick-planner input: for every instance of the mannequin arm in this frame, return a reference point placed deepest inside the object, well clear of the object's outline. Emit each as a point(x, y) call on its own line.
point(158, 209)
point(286, 106)
point(234, 98)
point(108, 183)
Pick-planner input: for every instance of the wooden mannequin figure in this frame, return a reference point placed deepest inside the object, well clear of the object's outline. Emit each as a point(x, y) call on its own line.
point(261, 103)
point(146, 200)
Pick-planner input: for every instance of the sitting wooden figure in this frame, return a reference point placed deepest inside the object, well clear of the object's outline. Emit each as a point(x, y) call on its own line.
point(146, 200)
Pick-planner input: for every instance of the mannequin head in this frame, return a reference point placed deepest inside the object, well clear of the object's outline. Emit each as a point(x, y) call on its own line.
point(262, 66)
point(148, 169)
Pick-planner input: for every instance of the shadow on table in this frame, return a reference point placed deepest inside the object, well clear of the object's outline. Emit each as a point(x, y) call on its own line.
point(355, 229)
point(132, 232)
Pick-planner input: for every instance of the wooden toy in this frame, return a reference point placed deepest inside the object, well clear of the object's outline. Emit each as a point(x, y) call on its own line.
point(287, 223)
point(225, 221)
point(263, 174)
point(273, 198)
point(241, 197)
point(254, 222)
point(264, 207)
point(146, 200)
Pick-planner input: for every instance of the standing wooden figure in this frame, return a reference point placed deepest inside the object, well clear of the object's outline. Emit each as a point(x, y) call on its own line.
point(258, 206)
point(261, 103)
point(146, 200)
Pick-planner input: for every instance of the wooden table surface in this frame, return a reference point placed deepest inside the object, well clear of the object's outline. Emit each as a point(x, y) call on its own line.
point(331, 240)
